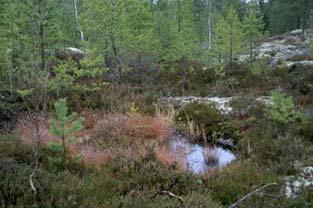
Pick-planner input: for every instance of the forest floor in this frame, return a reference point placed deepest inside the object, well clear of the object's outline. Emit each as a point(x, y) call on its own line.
point(124, 155)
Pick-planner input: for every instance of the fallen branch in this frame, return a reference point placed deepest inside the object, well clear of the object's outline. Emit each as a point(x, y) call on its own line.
point(31, 182)
point(270, 195)
point(251, 194)
point(175, 196)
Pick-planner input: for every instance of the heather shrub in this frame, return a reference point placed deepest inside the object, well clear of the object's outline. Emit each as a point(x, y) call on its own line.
point(203, 121)
point(237, 180)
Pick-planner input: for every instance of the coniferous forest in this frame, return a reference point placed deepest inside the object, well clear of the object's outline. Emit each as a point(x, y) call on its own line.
point(156, 103)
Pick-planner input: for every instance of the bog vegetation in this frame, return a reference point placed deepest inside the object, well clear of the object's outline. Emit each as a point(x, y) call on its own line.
point(92, 93)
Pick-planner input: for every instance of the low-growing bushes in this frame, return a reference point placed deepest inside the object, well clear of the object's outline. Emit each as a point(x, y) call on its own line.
point(204, 122)
point(237, 180)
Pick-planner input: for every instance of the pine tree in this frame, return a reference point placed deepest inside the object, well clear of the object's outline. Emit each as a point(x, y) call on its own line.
point(64, 125)
point(252, 28)
point(228, 35)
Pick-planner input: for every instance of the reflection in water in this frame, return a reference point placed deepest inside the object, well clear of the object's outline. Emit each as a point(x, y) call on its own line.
point(198, 159)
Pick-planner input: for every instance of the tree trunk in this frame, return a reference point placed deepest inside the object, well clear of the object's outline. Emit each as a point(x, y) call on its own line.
point(11, 78)
point(78, 21)
point(139, 60)
point(179, 16)
point(231, 48)
point(209, 24)
point(251, 51)
point(306, 17)
point(118, 60)
point(41, 37)
point(106, 55)
point(42, 48)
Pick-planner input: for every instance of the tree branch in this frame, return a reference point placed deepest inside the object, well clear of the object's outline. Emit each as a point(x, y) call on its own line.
point(251, 194)
point(175, 196)
point(31, 181)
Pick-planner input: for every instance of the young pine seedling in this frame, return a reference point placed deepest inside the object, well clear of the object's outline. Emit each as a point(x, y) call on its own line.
point(64, 125)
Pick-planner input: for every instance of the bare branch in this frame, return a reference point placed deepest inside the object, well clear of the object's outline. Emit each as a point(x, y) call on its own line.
point(251, 194)
point(31, 181)
point(270, 195)
point(175, 196)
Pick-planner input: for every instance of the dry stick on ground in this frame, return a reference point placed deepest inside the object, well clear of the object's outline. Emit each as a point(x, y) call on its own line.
point(31, 182)
point(175, 196)
point(270, 195)
point(251, 194)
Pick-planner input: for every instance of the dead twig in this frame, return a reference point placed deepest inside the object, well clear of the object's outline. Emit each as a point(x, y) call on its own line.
point(251, 194)
point(175, 196)
point(31, 181)
point(270, 195)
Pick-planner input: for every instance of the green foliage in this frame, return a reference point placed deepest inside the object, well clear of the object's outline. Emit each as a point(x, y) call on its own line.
point(260, 68)
point(252, 27)
point(63, 77)
point(237, 180)
point(204, 120)
point(64, 125)
point(10, 105)
point(281, 109)
point(88, 186)
point(228, 34)
point(200, 114)
point(286, 15)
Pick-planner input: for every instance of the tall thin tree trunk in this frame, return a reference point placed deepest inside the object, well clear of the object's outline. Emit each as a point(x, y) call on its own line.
point(42, 48)
point(106, 55)
point(118, 60)
point(179, 16)
point(78, 21)
point(209, 24)
point(251, 51)
point(306, 15)
point(231, 48)
point(11, 78)
point(139, 59)
point(41, 37)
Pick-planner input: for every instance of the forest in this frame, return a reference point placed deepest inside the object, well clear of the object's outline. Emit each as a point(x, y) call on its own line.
point(156, 103)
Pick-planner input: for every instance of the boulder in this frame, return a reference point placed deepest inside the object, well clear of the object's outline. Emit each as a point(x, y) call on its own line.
point(220, 103)
point(305, 64)
point(281, 48)
point(293, 184)
point(70, 53)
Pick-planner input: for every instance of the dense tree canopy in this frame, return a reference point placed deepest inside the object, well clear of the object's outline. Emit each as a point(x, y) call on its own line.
point(138, 33)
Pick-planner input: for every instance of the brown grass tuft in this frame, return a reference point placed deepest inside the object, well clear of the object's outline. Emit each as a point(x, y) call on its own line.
point(148, 127)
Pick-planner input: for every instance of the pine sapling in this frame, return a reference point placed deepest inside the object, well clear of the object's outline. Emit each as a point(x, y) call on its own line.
point(64, 125)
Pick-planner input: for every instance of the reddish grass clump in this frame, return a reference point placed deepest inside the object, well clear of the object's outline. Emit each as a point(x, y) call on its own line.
point(138, 127)
point(148, 127)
